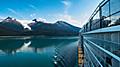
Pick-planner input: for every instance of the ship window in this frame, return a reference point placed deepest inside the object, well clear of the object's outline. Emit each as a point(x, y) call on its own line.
point(115, 19)
point(97, 16)
point(114, 6)
point(105, 22)
point(105, 10)
point(95, 21)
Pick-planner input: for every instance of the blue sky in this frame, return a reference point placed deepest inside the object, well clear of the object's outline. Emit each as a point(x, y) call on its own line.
point(75, 12)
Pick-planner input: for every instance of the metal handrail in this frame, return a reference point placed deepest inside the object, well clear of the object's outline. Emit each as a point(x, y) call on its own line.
point(88, 56)
point(94, 55)
point(105, 30)
point(104, 50)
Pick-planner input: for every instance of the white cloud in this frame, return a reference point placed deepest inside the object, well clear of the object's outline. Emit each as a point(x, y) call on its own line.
point(14, 12)
point(1, 18)
point(67, 5)
point(33, 15)
point(71, 20)
point(11, 10)
point(41, 19)
point(25, 23)
point(33, 7)
point(67, 17)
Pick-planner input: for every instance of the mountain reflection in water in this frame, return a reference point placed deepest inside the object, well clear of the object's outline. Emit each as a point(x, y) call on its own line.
point(31, 51)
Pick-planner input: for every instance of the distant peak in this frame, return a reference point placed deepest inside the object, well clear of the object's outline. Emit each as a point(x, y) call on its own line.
point(9, 18)
point(61, 22)
point(36, 21)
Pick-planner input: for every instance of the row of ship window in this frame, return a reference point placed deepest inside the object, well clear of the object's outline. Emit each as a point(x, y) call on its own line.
point(107, 15)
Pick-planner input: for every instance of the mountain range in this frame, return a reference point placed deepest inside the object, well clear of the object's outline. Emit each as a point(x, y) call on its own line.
point(11, 26)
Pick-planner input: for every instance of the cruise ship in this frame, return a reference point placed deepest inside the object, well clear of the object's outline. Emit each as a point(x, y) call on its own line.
point(100, 36)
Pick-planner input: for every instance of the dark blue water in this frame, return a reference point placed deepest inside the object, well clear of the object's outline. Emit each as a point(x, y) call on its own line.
point(37, 51)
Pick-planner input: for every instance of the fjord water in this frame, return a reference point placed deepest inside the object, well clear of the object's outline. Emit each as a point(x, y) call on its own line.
point(33, 51)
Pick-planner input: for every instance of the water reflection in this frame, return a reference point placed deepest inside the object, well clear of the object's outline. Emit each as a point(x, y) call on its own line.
point(10, 46)
point(31, 51)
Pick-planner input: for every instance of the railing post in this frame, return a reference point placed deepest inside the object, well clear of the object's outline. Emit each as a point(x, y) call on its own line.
point(100, 15)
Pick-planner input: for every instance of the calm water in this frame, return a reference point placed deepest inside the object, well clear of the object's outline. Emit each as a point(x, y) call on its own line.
point(36, 51)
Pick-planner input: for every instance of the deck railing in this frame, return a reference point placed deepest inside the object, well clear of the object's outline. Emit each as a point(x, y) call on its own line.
point(102, 47)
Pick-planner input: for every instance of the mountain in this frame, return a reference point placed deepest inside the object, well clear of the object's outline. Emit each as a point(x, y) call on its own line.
point(60, 28)
point(10, 27)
